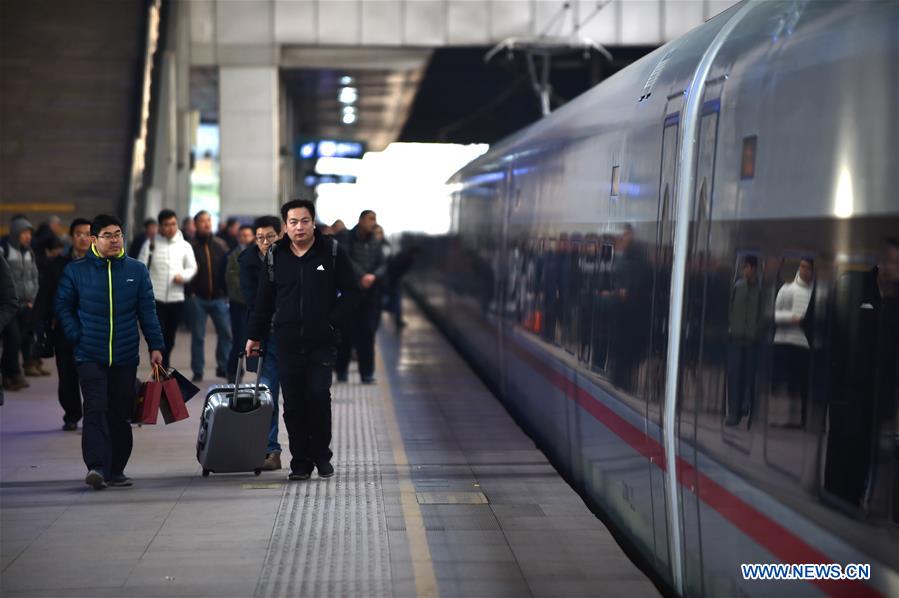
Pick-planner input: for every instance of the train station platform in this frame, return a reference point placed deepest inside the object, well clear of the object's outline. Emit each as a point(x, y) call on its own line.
point(437, 493)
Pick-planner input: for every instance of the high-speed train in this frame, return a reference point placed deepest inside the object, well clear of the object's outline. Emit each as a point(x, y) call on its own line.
point(684, 284)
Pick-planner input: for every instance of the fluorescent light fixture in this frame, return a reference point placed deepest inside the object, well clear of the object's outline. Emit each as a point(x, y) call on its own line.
point(346, 80)
point(327, 148)
point(308, 149)
point(348, 95)
point(349, 110)
point(349, 118)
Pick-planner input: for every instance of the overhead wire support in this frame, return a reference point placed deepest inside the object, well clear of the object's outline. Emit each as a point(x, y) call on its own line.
point(545, 46)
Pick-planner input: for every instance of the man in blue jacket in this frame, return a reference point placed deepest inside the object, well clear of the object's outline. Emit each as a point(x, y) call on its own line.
point(100, 301)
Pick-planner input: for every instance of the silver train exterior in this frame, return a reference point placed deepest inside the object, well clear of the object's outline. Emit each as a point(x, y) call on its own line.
point(633, 254)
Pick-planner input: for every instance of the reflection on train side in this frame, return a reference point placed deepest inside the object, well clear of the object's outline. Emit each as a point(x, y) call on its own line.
point(797, 351)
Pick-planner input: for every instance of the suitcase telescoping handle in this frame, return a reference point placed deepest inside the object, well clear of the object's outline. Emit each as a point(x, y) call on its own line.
point(241, 369)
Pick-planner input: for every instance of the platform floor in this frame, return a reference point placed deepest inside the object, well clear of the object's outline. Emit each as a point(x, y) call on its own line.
point(437, 493)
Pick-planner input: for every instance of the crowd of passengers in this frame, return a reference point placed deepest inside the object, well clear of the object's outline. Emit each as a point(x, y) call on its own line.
point(79, 295)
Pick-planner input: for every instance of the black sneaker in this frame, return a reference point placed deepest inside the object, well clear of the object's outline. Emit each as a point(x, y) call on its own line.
point(341, 377)
point(119, 481)
point(70, 426)
point(298, 476)
point(197, 378)
point(325, 469)
point(369, 380)
point(221, 374)
point(95, 480)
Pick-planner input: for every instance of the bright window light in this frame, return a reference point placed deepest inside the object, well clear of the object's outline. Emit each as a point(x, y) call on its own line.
point(348, 95)
point(405, 185)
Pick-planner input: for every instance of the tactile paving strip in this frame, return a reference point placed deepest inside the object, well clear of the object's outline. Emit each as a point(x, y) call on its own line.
point(330, 536)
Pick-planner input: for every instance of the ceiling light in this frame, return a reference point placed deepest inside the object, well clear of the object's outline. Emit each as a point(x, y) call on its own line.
point(348, 95)
point(346, 80)
point(349, 118)
point(349, 110)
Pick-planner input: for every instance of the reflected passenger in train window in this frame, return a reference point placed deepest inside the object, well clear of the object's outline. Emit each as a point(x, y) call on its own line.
point(791, 344)
point(860, 466)
point(629, 303)
point(744, 335)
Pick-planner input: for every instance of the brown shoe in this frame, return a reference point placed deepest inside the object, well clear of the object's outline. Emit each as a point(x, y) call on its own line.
point(40, 368)
point(16, 382)
point(272, 462)
point(31, 369)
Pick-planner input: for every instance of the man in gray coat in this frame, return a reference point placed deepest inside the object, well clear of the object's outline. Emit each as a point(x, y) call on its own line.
point(17, 335)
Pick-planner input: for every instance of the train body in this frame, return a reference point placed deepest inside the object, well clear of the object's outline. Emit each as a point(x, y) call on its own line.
point(560, 272)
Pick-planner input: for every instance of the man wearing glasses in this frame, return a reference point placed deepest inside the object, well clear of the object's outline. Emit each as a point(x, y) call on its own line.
point(267, 230)
point(100, 302)
point(68, 391)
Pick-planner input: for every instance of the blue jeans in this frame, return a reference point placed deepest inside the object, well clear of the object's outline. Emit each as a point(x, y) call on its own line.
point(270, 378)
point(218, 309)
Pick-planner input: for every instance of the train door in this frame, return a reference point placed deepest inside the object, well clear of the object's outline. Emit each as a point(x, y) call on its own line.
point(654, 379)
point(692, 380)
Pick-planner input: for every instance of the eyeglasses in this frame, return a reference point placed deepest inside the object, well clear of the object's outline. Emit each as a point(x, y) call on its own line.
point(269, 238)
point(111, 236)
point(81, 235)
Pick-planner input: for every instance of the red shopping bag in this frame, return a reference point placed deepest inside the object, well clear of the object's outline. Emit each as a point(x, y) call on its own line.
point(146, 408)
point(172, 405)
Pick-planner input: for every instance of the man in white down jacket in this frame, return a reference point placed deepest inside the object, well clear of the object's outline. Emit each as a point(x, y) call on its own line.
point(791, 347)
point(172, 265)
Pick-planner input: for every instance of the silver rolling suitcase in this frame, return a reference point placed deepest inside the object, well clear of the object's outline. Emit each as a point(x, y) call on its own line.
point(234, 425)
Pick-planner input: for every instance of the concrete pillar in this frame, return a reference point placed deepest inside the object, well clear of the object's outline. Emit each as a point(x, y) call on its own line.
point(248, 120)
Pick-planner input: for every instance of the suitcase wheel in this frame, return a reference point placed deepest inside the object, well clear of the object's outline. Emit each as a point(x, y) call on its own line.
point(257, 471)
point(205, 473)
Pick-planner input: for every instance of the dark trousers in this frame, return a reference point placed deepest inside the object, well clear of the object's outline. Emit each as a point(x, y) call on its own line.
point(169, 315)
point(791, 371)
point(238, 312)
point(106, 440)
point(16, 338)
point(741, 372)
point(361, 335)
point(68, 390)
point(306, 391)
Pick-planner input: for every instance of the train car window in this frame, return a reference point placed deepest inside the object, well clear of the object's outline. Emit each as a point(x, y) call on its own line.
point(616, 176)
point(744, 333)
point(747, 160)
point(860, 442)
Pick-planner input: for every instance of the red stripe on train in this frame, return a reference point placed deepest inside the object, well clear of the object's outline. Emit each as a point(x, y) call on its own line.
point(775, 538)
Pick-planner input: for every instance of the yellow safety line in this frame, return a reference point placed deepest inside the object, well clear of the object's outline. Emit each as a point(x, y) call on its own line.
point(37, 207)
point(420, 553)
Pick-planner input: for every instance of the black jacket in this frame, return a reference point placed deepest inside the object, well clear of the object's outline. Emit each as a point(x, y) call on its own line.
point(304, 294)
point(43, 316)
point(251, 264)
point(9, 304)
point(367, 255)
point(211, 253)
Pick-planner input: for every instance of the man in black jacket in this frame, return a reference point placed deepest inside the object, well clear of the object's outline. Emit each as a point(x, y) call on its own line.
point(209, 298)
point(9, 305)
point(68, 390)
point(300, 283)
point(370, 267)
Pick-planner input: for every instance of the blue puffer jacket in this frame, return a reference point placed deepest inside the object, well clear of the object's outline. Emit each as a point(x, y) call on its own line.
point(99, 303)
